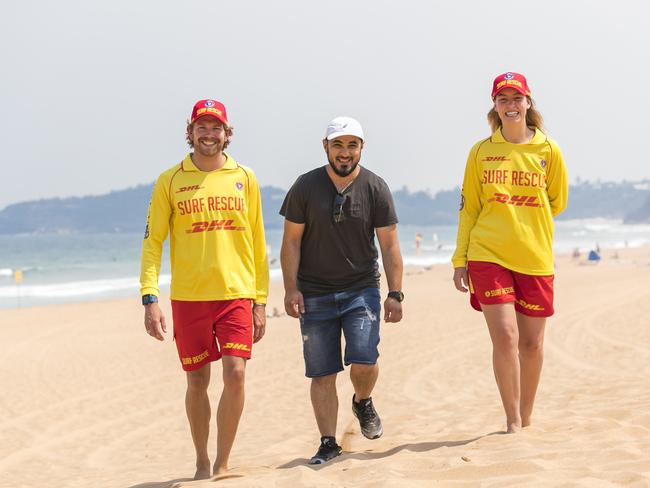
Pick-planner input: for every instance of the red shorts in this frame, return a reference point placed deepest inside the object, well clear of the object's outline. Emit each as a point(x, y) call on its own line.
point(205, 331)
point(490, 283)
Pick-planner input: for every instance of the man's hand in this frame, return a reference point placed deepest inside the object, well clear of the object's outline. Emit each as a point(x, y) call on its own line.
point(294, 303)
point(460, 279)
point(259, 321)
point(392, 310)
point(154, 321)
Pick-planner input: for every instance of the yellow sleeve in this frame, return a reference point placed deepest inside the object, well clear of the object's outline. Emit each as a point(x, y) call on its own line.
point(470, 208)
point(557, 181)
point(259, 242)
point(155, 233)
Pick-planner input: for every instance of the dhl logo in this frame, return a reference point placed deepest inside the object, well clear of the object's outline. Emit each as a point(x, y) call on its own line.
point(195, 359)
point(495, 158)
point(214, 225)
point(516, 200)
point(188, 188)
point(499, 292)
point(236, 345)
point(530, 306)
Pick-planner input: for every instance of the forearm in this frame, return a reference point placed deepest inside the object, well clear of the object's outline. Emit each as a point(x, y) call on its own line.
point(465, 224)
point(393, 266)
point(290, 261)
point(150, 267)
point(261, 268)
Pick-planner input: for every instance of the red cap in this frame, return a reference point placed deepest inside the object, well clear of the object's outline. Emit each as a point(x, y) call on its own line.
point(209, 107)
point(512, 80)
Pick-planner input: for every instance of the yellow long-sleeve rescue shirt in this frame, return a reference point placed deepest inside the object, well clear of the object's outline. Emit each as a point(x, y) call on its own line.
point(511, 192)
point(217, 244)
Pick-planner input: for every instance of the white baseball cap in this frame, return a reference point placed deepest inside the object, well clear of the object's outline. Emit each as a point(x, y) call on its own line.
point(343, 126)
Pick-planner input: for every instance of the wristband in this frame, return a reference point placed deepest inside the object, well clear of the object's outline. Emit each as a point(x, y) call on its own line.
point(147, 299)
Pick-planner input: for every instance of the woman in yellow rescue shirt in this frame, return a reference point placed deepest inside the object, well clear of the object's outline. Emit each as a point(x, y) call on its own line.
point(515, 183)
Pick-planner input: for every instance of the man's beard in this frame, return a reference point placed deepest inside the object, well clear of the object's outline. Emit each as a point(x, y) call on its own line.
point(345, 172)
point(208, 151)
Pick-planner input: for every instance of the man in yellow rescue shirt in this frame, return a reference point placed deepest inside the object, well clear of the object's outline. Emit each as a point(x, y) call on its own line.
point(211, 207)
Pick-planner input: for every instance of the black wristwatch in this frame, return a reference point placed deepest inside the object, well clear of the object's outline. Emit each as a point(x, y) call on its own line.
point(147, 299)
point(397, 295)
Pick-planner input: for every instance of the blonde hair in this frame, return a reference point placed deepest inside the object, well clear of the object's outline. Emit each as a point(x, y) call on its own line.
point(534, 118)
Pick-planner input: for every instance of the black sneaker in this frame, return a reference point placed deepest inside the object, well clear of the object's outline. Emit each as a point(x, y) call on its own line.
point(327, 450)
point(369, 421)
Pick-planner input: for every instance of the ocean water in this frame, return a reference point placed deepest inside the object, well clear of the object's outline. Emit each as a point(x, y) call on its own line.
point(72, 268)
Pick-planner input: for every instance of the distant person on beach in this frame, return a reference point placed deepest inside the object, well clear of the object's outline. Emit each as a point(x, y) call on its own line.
point(418, 242)
point(515, 183)
point(331, 276)
point(210, 205)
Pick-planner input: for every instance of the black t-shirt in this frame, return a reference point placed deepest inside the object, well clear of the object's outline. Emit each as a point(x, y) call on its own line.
point(338, 256)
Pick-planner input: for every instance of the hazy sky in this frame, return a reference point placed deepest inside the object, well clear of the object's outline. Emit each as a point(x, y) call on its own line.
point(95, 94)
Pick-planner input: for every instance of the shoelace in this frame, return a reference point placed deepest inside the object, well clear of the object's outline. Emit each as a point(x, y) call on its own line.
point(367, 411)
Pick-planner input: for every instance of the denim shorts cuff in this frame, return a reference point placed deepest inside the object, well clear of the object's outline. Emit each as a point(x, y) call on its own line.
point(320, 375)
point(361, 362)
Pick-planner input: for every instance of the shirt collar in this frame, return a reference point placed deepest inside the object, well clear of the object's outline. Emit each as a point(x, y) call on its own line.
point(188, 164)
point(538, 138)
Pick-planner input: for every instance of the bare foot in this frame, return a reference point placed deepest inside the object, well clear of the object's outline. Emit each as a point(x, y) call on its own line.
point(525, 423)
point(202, 474)
point(219, 470)
point(202, 470)
point(513, 428)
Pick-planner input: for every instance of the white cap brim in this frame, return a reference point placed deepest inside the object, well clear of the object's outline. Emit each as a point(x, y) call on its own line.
point(343, 126)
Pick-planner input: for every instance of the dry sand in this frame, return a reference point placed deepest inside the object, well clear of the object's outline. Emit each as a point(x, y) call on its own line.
point(89, 400)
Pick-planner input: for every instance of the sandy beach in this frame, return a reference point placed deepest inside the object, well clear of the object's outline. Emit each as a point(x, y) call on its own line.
point(89, 400)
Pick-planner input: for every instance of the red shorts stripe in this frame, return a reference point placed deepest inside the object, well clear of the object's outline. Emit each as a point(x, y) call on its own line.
point(491, 284)
point(205, 331)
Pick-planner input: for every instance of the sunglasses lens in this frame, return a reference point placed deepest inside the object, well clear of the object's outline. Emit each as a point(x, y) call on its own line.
point(339, 200)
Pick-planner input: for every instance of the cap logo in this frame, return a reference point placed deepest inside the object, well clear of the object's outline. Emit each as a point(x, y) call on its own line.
point(209, 103)
point(509, 83)
point(509, 76)
point(209, 110)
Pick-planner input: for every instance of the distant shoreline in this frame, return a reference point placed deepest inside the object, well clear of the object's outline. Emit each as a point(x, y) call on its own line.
point(132, 293)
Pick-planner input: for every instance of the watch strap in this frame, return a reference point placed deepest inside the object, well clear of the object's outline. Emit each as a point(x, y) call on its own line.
point(147, 299)
point(397, 295)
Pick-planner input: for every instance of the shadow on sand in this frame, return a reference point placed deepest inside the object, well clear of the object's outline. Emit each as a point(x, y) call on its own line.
point(170, 483)
point(160, 484)
point(417, 447)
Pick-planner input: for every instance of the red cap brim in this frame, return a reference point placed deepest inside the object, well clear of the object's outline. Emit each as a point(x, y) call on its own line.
point(211, 114)
point(514, 87)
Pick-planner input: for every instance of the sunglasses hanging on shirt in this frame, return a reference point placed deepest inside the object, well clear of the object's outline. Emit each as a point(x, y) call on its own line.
point(337, 211)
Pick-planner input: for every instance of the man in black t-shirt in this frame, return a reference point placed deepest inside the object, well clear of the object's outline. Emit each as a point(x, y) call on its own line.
point(331, 276)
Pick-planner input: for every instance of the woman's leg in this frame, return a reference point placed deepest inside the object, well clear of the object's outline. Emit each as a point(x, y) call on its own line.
point(531, 357)
point(502, 324)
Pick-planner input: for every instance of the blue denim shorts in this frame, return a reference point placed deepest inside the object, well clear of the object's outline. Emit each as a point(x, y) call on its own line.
point(357, 314)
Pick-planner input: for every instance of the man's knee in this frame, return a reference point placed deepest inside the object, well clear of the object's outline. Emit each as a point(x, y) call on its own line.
point(324, 382)
point(234, 374)
point(363, 370)
point(199, 380)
